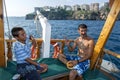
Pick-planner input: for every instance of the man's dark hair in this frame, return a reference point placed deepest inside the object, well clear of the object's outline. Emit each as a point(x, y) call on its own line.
point(82, 26)
point(15, 31)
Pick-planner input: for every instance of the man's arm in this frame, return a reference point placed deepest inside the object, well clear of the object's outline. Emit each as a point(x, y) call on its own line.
point(31, 61)
point(71, 48)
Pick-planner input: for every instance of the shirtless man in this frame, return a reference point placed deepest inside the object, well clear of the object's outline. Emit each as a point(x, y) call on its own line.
point(85, 46)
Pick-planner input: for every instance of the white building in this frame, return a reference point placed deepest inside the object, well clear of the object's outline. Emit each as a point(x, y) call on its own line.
point(85, 7)
point(94, 7)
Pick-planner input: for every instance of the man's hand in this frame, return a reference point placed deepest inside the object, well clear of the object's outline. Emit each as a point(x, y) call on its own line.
point(31, 37)
point(33, 40)
point(74, 62)
point(67, 42)
point(39, 67)
point(71, 64)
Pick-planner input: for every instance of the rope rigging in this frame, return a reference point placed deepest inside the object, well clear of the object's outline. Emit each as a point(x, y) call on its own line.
point(9, 35)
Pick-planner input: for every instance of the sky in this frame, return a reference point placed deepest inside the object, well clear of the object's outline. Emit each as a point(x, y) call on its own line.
point(23, 7)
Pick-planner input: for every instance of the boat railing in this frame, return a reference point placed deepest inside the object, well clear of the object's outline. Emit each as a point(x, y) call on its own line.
point(39, 44)
point(9, 47)
point(62, 45)
point(109, 53)
point(111, 63)
point(117, 55)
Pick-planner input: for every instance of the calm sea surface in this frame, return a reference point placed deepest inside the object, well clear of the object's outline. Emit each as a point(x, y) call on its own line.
point(68, 28)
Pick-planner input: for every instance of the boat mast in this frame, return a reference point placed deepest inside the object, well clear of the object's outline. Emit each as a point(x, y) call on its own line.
point(107, 28)
point(2, 46)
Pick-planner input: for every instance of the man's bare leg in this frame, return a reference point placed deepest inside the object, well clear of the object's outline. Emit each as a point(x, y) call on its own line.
point(80, 77)
point(62, 58)
point(73, 74)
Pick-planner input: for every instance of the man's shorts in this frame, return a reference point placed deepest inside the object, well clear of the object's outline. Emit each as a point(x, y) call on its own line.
point(81, 67)
point(28, 71)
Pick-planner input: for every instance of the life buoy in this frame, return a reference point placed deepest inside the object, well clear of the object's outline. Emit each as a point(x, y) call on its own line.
point(56, 50)
point(34, 53)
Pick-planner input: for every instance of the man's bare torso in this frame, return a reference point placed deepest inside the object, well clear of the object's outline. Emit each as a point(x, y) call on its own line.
point(83, 46)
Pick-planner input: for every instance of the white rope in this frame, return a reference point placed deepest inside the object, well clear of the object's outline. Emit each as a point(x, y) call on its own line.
point(9, 35)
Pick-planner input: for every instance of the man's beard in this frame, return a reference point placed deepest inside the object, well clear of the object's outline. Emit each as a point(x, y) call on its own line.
point(83, 36)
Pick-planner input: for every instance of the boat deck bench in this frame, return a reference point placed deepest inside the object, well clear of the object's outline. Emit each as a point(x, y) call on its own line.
point(56, 71)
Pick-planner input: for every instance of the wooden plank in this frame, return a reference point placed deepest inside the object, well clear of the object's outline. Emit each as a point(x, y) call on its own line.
point(57, 77)
point(111, 3)
point(2, 50)
point(105, 32)
point(117, 55)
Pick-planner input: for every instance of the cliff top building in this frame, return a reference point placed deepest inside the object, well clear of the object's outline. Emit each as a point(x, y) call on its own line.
point(85, 7)
point(94, 7)
point(75, 7)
